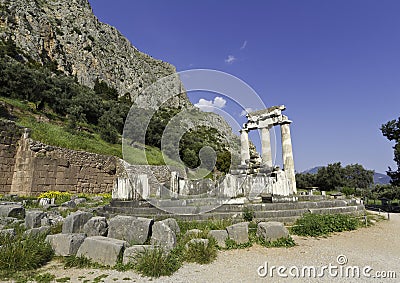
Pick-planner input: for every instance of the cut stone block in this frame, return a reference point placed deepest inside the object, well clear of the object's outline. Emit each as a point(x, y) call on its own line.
point(171, 222)
point(271, 231)
point(75, 221)
point(37, 231)
point(96, 226)
point(12, 210)
point(103, 250)
point(134, 230)
point(33, 219)
point(79, 201)
point(220, 236)
point(163, 236)
point(65, 244)
point(239, 232)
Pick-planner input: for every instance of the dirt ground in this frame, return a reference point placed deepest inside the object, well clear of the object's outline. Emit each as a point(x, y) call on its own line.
point(377, 247)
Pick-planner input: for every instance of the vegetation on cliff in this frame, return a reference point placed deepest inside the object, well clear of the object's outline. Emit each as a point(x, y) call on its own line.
point(62, 112)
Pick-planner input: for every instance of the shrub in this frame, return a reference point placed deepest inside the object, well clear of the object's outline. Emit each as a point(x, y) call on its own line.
point(323, 224)
point(348, 191)
point(24, 252)
point(200, 253)
point(231, 244)
point(156, 262)
point(248, 214)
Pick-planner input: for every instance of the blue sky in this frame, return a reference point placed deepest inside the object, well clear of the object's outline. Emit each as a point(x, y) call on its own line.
point(335, 64)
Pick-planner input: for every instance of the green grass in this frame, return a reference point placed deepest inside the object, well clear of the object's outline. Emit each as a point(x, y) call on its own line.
point(57, 135)
point(156, 263)
point(152, 156)
point(315, 225)
point(45, 278)
point(204, 225)
point(23, 253)
point(285, 242)
point(77, 261)
point(201, 253)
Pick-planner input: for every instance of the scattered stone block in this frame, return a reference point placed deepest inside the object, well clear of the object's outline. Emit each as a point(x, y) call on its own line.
point(65, 244)
point(69, 204)
point(134, 230)
point(12, 210)
point(97, 198)
point(271, 231)
point(33, 219)
point(163, 236)
point(197, 241)
point(132, 251)
point(171, 222)
point(193, 232)
point(239, 232)
point(96, 226)
point(79, 201)
point(220, 236)
point(102, 250)
point(75, 221)
point(37, 231)
point(7, 220)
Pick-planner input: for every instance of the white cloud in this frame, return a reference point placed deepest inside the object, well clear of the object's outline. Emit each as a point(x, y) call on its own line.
point(210, 105)
point(230, 59)
point(243, 45)
point(246, 111)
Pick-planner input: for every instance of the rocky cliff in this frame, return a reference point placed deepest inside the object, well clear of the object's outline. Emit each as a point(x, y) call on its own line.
point(68, 33)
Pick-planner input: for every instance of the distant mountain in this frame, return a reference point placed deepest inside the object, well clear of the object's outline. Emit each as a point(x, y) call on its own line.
point(313, 170)
point(379, 178)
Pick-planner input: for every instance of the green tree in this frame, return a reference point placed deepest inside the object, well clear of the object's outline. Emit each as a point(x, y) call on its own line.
point(102, 89)
point(391, 130)
point(223, 163)
point(355, 176)
point(190, 158)
point(306, 180)
point(330, 177)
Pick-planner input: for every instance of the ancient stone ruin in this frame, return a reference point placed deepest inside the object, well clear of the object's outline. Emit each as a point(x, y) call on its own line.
point(254, 179)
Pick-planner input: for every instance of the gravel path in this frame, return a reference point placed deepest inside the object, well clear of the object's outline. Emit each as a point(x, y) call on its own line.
point(377, 246)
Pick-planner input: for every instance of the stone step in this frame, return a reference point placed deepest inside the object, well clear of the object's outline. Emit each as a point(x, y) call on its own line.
point(285, 215)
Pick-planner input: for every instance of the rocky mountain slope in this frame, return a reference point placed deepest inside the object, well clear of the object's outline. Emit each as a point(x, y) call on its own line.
point(68, 33)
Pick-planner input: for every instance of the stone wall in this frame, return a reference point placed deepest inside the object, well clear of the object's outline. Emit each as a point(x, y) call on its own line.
point(28, 167)
point(43, 168)
point(10, 134)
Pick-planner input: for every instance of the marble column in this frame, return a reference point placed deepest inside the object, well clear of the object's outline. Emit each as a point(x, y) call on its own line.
point(287, 155)
point(266, 153)
point(244, 150)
